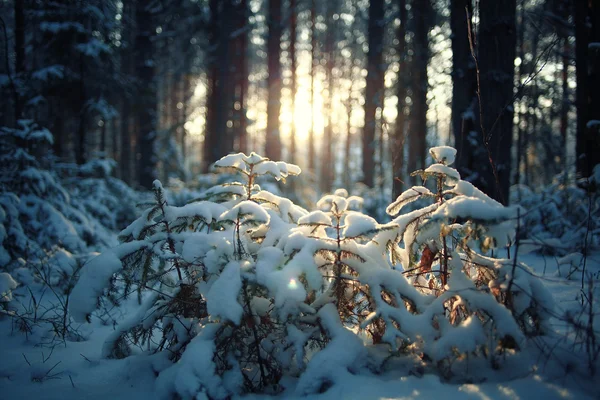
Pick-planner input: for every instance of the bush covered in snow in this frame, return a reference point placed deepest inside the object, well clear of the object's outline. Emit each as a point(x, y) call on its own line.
point(561, 218)
point(48, 224)
point(242, 289)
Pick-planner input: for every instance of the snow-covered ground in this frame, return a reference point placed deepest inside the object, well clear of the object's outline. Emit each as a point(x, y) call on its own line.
point(76, 370)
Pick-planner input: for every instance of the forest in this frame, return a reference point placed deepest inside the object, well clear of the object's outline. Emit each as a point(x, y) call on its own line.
point(356, 199)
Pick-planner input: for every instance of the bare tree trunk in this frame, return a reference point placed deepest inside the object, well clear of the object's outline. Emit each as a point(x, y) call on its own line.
point(374, 89)
point(218, 139)
point(349, 103)
point(401, 86)
point(327, 164)
point(496, 48)
point(313, 52)
point(19, 53)
point(243, 81)
point(147, 96)
point(293, 79)
point(464, 87)
point(587, 58)
point(565, 103)
point(80, 154)
point(273, 139)
point(114, 146)
point(418, 134)
point(520, 120)
point(125, 113)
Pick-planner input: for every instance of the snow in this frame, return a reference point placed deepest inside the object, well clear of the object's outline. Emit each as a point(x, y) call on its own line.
point(443, 154)
point(221, 299)
point(95, 277)
point(7, 284)
point(46, 73)
point(593, 123)
point(195, 372)
point(280, 283)
point(94, 48)
point(406, 197)
point(357, 224)
point(473, 207)
point(444, 170)
point(315, 218)
point(246, 210)
point(335, 362)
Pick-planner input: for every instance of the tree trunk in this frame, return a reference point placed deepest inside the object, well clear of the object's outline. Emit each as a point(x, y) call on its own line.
point(147, 96)
point(418, 133)
point(273, 139)
point(243, 77)
point(401, 86)
point(127, 150)
point(218, 139)
point(293, 79)
point(521, 132)
point(464, 88)
point(313, 68)
point(327, 164)
point(19, 53)
point(497, 47)
point(587, 59)
point(374, 89)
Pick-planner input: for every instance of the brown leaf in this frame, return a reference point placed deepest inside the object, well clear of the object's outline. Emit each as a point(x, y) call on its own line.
point(426, 259)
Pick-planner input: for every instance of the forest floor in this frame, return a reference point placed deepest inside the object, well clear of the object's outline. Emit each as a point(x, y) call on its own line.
point(75, 370)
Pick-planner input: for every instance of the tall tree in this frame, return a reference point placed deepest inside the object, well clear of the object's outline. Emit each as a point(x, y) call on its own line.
point(127, 69)
point(313, 68)
point(422, 20)
point(273, 138)
point(327, 163)
point(401, 92)
point(19, 52)
point(220, 95)
point(145, 111)
point(374, 89)
point(496, 57)
point(464, 88)
point(293, 60)
point(242, 75)
point(587, 58)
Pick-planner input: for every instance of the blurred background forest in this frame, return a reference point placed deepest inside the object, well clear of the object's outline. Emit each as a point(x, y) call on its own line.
point(351, 90)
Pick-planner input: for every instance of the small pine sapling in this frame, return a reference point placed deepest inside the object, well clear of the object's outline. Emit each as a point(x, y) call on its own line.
point(484, 305)
point(195, 271)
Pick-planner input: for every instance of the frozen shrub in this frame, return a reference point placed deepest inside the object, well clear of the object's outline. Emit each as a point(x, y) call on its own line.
point(47, 229)
point(557, 218)
point(483, 305)
point(201, 264)
point(241, 287)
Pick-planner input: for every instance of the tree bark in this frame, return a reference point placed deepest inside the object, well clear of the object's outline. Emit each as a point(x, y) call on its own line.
point(374, 89)
point(587, 59)
point(401, 86)
point(127, 61)
point(293, 79)
point(273, 139)
point(418, 132)
point(327, 164)
point(496, 48)
point(147, 96)
point(19, 53)
point(464, 88)
point(313, 68)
